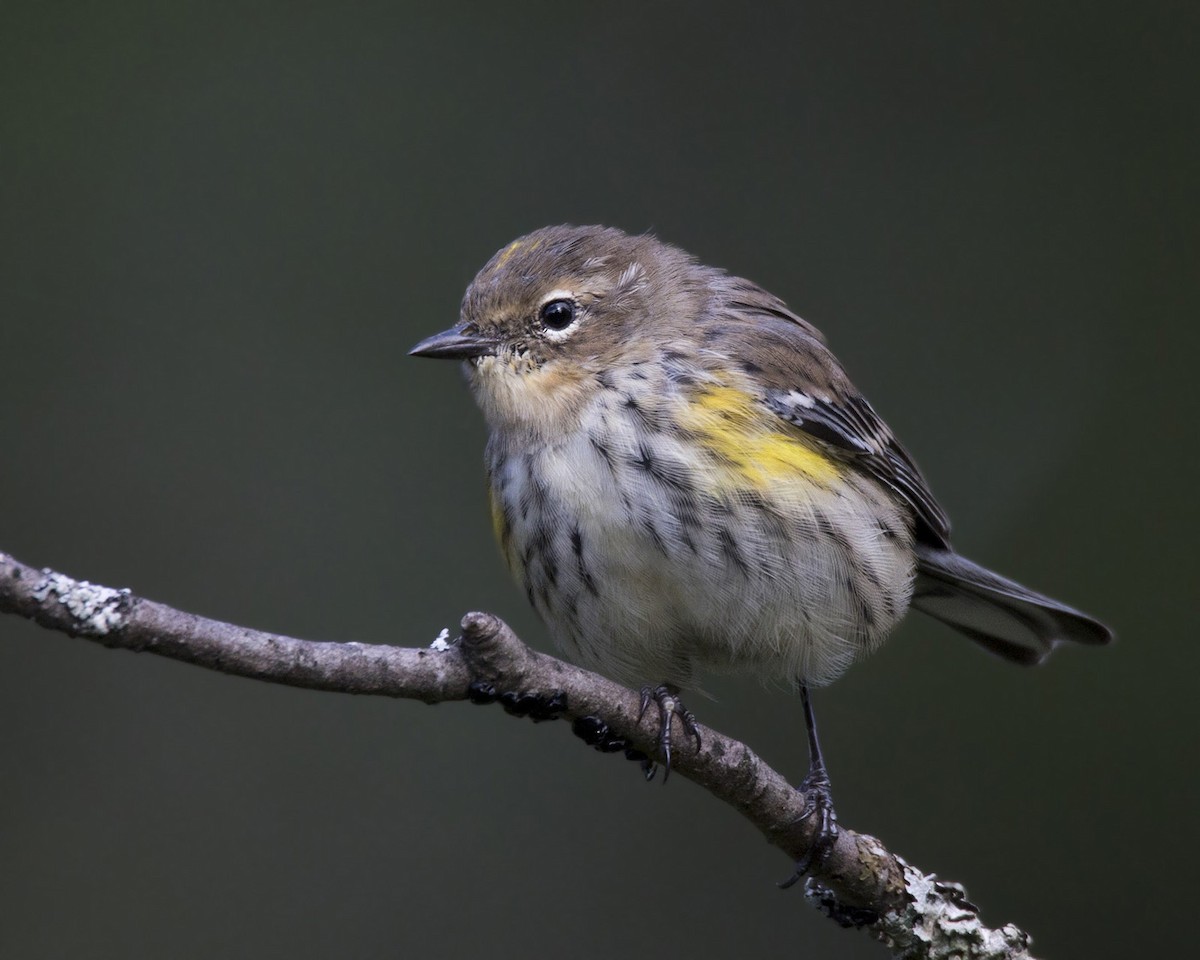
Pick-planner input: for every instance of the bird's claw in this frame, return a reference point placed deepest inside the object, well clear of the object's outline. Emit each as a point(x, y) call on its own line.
point(669, 706)
point(818, 802)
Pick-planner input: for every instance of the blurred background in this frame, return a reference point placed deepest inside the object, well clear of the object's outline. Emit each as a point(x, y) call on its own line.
point(224, 225)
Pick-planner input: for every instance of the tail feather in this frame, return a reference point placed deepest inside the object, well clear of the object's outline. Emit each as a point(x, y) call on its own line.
point(997, 613)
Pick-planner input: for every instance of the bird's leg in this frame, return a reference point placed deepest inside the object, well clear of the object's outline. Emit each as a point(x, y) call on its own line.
point(666, 695)
point(818, 799)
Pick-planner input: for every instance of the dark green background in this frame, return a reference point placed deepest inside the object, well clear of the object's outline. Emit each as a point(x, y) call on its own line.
point(223, 226)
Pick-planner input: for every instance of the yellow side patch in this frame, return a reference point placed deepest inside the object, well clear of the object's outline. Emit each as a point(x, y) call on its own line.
point(754, 442)
point(499, 522)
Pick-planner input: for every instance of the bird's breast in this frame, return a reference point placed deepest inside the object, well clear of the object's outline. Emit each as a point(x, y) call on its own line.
point(660, 532)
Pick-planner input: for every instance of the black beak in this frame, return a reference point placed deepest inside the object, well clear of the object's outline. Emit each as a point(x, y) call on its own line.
point(453, 345)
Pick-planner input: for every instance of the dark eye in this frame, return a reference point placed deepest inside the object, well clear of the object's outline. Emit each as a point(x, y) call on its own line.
point(558, 314)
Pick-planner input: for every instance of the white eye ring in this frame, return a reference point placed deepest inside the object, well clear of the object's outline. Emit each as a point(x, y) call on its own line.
point(558, 334)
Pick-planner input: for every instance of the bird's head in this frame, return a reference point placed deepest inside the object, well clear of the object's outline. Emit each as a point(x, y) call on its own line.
point(554, 311)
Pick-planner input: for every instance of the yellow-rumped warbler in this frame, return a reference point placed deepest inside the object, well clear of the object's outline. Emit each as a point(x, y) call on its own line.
point(682, 475)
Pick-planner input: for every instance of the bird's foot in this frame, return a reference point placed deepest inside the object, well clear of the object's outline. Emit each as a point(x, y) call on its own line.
point(818, 802)
point(595, 732)
point(669, 707)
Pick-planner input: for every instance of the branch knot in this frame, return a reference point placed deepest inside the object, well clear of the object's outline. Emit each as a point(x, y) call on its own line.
point(493, 651)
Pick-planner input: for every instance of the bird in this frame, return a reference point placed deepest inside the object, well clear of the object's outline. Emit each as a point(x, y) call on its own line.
point(683, 478)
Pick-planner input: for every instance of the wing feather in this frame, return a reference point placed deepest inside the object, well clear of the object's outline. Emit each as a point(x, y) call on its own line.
point(804, 384)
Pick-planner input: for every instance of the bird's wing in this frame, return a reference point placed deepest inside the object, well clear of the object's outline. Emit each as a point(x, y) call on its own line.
point(803, 383)
point(852, 426)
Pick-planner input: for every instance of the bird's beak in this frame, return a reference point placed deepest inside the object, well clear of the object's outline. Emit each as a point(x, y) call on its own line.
point(454, 344)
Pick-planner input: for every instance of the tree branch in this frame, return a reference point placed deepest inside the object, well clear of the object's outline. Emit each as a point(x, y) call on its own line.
point(859, 884)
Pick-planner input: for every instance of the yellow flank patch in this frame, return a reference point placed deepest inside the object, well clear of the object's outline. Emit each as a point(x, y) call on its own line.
point(499, 524)
point(752, 441)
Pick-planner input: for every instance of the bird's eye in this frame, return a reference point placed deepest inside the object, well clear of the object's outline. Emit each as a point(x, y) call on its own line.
point(558, 314)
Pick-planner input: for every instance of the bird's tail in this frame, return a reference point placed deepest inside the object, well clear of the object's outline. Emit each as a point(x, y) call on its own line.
point(998, 614)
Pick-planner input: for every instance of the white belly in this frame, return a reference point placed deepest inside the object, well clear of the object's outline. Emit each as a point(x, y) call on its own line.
point(647, 571)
